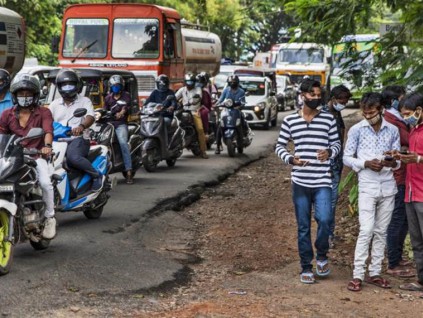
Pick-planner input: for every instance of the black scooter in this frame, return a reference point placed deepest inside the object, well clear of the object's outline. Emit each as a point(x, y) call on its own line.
point(104, 134)
point(159, 142)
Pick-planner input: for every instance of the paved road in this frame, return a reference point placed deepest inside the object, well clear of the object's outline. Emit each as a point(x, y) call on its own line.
point(106, 255)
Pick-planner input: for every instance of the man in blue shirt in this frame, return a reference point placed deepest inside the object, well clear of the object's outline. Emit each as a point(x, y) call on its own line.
point(5, 96)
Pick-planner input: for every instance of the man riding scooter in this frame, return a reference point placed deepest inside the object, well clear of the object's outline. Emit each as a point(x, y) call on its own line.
point(120, 113)
point(186, 94)
point(18, 120)
point(68, 84)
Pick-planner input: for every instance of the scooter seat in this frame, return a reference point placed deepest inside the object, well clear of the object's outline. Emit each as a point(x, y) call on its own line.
point(93, 154)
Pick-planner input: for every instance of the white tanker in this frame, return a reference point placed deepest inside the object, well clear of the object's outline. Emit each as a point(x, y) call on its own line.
point(12, 41)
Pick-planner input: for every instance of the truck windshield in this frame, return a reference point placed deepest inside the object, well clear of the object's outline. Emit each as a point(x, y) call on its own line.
point(86, 38)
point(293, 56)
point(136, 38)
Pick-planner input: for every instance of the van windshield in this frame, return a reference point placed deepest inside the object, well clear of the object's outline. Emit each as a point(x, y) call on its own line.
point(86, 38)
point(135, 38)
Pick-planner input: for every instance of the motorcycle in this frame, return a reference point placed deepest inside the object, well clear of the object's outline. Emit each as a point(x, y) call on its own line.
point(104, 134)
point(232, 130)
point(21, 204)
point(158, 143)
point(186, 119)
point(72, 187)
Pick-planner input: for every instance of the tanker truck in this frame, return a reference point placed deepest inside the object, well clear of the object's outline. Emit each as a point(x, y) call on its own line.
point(12, 41)
point(143, 38)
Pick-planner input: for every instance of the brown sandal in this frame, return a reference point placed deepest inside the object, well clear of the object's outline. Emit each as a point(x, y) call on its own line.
point(378, 281)
point(401, 272)
point(355, 285)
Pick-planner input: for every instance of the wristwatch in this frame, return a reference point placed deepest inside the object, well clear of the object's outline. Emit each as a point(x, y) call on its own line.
point(49, 145)
point(83, 126)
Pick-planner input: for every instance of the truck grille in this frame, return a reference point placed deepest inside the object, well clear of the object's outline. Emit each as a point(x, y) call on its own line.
point(146, 83)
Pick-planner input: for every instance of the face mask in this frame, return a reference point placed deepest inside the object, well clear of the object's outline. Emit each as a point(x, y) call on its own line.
point(25, 101)
point(374, 120)
point(412, 120)
point(68, 88)
point(395, 104)
point(338, 107)
point(116, 89)
point(313, 103)
point(189, 83)
point(234, 85)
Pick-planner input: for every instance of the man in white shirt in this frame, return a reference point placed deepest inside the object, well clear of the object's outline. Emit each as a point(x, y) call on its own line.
point(68, 82)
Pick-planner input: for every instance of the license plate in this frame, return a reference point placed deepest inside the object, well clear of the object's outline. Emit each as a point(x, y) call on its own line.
point(7, 188)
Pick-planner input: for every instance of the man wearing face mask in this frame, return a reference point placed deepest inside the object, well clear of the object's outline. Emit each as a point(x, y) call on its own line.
point(398, 228)
point(368, 142)
point(68, 84)
point(339, 97)
point(18, 120)
point(315, 136)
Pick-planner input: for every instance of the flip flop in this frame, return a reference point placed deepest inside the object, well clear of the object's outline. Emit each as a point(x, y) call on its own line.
point(378, 281)
point(401, 272)
point(307, 278)
point(322, 268)
point(412, 287)
point(355, 285)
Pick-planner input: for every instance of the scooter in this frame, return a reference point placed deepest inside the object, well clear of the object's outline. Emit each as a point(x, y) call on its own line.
point(104, 134)
point(73, 187)
point(232, 130)
point(158, 143)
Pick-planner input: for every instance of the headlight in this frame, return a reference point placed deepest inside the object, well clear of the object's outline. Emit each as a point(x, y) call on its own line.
point(259, 107)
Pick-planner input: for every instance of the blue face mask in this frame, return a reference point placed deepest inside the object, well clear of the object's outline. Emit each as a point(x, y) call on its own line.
point(412, 120)
point(116, 89)
point(395, 104)
point(338, 107)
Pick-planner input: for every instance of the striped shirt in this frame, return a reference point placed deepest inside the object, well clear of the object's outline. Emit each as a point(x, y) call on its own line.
point(320, 133)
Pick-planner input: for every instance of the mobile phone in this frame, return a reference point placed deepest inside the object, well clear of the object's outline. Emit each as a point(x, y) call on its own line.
point(388, 158)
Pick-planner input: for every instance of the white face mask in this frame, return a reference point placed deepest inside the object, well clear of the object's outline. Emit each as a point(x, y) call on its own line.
point(25, 101)
point(338, 107)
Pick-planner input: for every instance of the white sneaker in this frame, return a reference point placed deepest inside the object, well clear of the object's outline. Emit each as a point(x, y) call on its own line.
point(49, 231)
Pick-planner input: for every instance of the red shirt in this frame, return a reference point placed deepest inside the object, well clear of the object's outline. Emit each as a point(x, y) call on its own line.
point(40, 118)
point(400, 173)
point(414, 178)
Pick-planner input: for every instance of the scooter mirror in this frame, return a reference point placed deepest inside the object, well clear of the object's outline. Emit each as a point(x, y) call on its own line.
point(80, 112)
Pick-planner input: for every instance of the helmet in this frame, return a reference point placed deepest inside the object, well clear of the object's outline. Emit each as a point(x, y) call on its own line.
point(116, 83)
point(27, 82)
point(202, 79)
point(5, 79)
point(189, 80)
point(162, 83)
point(233, 81)
point(68, 83)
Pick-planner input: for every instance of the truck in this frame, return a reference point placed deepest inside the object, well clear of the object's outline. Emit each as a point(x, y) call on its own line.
point(146, 39)
point(12, 41)
point(301, 59)
point(262, 59)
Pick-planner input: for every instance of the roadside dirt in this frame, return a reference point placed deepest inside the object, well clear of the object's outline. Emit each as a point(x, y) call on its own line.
point(242, 261)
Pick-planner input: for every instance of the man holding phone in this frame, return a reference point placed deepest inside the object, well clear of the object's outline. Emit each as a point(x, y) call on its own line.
point(364, 152)
point(315, 136)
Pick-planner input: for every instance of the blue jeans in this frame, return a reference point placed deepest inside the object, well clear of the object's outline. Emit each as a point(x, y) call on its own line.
point(304, 199)
point(122, 136)
point(397, 230)
point(336, 178)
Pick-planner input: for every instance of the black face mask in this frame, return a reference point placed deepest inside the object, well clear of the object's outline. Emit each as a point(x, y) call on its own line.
point(234, 85)
point(313, 103)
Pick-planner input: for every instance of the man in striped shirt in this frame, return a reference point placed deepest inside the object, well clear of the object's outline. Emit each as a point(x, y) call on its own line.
point(316, 140)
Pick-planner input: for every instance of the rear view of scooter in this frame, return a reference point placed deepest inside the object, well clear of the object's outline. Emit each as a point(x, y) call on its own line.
point(159, 141)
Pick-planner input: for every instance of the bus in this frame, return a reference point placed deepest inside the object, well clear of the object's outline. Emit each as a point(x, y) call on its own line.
point(146, 39)
point(353, 58)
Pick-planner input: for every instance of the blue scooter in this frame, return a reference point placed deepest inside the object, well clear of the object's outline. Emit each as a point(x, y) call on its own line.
point(73, 187)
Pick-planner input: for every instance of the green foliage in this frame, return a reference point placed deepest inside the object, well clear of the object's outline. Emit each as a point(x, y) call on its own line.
point(350, 181)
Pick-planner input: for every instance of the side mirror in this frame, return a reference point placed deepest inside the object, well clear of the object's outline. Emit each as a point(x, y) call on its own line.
point(121, 103)
point(55, 41)
point(247, 93)
point(34, 133)
point(80, 112)
point(44, 91)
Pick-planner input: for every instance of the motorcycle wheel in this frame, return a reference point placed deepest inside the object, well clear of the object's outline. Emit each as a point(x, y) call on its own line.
point(6, 248)
point(40, 245)
point(171, 162)
point(147, 161)
point(231, 147)
point(93, 214)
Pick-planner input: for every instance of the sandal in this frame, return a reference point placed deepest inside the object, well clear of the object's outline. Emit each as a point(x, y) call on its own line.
point(412, 287)
point(405, 263)
point(378, 281)
point(355, 285)
point(322, 268)
point(401, 272)
point(307, 278)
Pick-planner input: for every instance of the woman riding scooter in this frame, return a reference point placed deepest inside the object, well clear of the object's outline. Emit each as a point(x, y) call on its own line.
point(120, 113)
